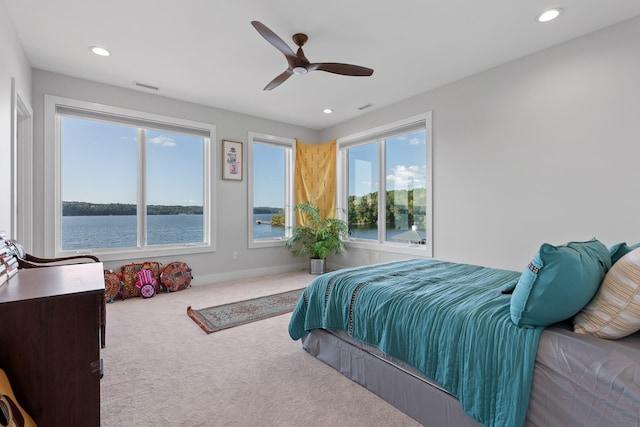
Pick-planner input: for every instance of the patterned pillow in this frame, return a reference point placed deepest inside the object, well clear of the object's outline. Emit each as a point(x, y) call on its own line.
point(614, 312)
point(129, 274)
point(111, 286)
point(176, 276)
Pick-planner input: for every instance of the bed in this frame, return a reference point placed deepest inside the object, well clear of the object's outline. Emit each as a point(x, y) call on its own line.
point(440, 341)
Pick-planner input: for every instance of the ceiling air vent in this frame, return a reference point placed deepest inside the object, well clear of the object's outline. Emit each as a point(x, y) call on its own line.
point(364, 107)
point(145, 86)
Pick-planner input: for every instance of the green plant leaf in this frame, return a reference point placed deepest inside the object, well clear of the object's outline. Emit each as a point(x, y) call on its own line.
point(319, 237)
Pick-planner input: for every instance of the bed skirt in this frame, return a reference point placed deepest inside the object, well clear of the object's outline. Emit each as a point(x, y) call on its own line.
point(390, 380)
point(606, 392)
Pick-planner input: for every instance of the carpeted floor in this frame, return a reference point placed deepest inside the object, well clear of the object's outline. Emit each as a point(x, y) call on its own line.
point(162, 370)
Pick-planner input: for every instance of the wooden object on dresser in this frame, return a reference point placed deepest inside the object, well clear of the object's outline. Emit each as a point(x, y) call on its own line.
point(50, 342)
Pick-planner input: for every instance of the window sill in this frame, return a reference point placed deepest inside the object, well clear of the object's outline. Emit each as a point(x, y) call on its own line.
point(268, 243)
point(142, 253)
point(415, 250)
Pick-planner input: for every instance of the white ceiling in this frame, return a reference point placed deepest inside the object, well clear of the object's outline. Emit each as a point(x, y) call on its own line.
point(207, 52)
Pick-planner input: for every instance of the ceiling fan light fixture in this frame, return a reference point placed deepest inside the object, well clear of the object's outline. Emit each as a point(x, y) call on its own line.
point(299, 70)
point(549, 15)
point(100, 51)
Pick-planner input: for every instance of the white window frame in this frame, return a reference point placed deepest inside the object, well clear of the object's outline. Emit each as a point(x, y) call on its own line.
point(22, 168)
point(290, 161)
point(53, 180)
point(370, 135)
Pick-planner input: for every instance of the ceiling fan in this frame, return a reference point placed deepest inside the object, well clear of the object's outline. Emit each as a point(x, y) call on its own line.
point(298, 63)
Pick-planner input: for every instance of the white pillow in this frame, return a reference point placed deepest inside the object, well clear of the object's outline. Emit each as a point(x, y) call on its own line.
point(614, 312)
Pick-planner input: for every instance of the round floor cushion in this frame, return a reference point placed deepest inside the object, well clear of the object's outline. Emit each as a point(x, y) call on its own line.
point(176, 276)
point(111, 285)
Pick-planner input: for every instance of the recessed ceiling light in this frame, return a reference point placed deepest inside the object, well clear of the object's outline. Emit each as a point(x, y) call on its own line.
point(100, 51)
point(327, 111)
point(549, 15)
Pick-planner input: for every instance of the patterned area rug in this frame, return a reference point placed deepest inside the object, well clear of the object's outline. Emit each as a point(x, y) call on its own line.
point(213, 319)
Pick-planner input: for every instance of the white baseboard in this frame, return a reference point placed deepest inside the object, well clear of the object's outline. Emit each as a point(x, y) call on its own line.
point(242, 274)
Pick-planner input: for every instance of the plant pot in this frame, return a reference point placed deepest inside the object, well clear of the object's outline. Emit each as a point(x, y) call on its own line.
point(316, 266)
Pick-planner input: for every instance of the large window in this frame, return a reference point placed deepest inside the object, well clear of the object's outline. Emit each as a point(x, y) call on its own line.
point(270, 171)
point(128, 181)
point(385, 183)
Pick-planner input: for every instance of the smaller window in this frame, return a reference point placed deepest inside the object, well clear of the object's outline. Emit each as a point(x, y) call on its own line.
point(270, 177)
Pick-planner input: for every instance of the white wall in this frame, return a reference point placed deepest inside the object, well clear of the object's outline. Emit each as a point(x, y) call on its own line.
point(542, 149)
point(231, 196)
point(13, 65)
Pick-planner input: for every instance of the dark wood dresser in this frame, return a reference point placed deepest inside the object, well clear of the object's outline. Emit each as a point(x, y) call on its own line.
point(50, 342)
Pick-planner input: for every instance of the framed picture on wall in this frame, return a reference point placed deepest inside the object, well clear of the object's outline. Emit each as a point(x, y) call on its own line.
point(232, 160)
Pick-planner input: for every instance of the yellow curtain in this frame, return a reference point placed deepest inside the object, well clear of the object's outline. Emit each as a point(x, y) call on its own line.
point(315, 177)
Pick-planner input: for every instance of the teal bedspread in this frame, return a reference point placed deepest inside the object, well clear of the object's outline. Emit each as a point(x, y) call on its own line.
point(449, 321)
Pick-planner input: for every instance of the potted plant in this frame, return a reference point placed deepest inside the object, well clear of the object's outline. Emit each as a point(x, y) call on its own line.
point(318, 237)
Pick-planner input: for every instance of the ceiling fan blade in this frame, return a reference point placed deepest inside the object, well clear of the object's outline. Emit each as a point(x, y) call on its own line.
point(279, 80)
point(344, 69)
point(275, 41)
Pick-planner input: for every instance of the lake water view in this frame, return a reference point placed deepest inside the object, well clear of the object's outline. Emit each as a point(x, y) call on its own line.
point(119, 231)
point(263, 230)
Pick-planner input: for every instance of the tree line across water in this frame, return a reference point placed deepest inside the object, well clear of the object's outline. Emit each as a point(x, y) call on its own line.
point(408, 204)
point(96, 209)
point(403, 208)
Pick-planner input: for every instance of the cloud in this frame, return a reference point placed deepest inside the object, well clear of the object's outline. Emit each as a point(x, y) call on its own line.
point(163, 141)
point(412, 138)
point(404, 177)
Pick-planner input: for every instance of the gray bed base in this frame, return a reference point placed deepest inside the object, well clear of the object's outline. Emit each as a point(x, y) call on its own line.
point(577, 381)
point(411, 394)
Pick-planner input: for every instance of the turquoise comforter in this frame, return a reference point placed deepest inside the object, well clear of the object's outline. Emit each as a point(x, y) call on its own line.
point(449, 321)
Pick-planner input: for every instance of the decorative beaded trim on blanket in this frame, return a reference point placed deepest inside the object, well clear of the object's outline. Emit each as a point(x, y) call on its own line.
point(380, 279)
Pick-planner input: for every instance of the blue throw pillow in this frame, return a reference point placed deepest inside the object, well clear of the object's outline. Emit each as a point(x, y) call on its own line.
point(559, 282)
point(619, 250)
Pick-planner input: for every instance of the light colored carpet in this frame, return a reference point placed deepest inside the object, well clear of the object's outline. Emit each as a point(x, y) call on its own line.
point(161, 369)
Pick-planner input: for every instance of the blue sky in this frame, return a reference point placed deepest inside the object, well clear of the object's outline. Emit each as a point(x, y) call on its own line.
point(268, 176)
point(99, 164)
point(405, 164)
